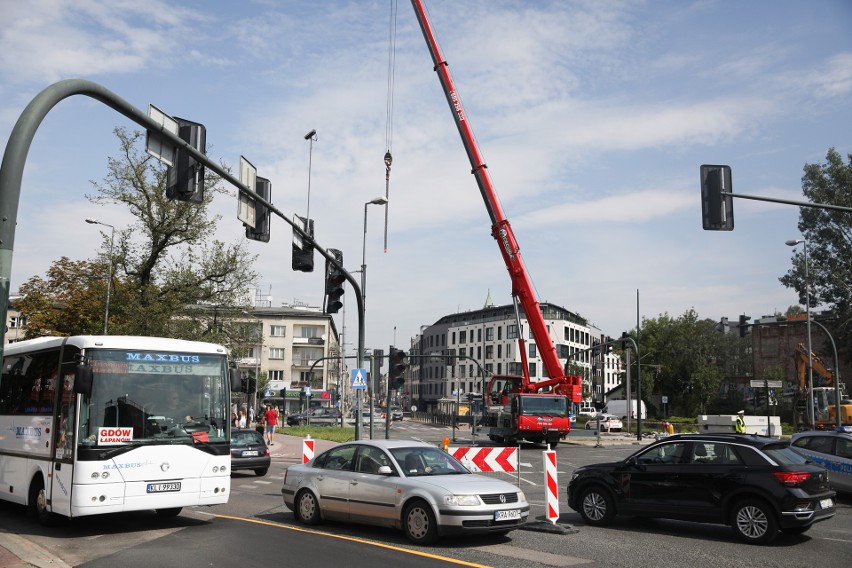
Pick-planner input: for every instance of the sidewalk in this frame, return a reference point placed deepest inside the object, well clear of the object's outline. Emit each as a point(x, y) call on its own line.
point(18, 552)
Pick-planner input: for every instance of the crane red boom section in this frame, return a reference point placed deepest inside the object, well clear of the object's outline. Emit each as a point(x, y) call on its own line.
point(522, 287)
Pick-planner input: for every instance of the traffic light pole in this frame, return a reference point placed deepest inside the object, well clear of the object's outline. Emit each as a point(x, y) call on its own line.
point(15, 156)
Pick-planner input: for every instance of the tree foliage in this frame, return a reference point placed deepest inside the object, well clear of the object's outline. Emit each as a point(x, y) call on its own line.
point(686, 359)
point(169, 273)
point(829, 239)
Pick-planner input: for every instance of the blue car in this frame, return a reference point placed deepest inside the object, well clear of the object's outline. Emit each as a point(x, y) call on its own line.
point(830, 449)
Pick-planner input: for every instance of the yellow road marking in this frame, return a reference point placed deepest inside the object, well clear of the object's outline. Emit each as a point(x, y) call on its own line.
point(358, 540)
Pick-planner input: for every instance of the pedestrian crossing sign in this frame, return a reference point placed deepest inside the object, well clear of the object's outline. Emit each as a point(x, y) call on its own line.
point(359, 378)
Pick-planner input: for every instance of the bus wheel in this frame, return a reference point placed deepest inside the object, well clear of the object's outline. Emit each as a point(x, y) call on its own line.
point(37, 504)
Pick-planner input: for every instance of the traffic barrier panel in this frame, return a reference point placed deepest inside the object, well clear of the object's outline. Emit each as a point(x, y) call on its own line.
point(551, 486)
point(307, 450)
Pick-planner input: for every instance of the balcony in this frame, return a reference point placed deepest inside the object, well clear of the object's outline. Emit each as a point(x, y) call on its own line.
point(308, 341)
point(299, 362)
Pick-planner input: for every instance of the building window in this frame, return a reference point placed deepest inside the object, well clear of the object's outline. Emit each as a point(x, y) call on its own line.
point(512, 331)
point(532, 370)
point(489, 334)
point(489, 351)
point(532, 349)
point(278, 330)
point(463, 337)
point(276, 352)
point(499, 350)
point(276, 375)
point(16, 322)
point(479, 334)
point(309, 332)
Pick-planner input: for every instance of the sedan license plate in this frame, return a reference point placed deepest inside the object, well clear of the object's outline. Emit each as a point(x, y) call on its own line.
point(507, 515)
point(826, 503)
point(163, 487)
point(247, 453)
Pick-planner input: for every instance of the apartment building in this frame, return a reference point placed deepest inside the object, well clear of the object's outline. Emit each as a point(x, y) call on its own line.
point(485, 343)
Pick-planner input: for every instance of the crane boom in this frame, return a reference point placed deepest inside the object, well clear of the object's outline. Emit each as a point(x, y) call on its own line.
point(501, 230)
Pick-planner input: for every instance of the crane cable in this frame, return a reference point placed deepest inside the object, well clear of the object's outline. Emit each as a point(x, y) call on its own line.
point(389, 111)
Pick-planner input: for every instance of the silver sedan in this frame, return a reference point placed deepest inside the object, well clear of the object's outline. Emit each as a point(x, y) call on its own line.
point(403, 484)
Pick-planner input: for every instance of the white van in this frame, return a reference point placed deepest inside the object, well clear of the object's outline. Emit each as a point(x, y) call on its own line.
point(620, 408)
point(588, 411)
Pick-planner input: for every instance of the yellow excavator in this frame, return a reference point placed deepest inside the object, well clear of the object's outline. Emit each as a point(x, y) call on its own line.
point(825, 395)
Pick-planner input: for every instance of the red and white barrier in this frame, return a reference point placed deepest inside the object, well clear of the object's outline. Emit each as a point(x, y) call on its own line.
point(486, 459)
point(307, 450)
point(551, 487)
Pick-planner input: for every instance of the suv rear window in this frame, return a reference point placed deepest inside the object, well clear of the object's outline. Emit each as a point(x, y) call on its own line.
point(782, 453)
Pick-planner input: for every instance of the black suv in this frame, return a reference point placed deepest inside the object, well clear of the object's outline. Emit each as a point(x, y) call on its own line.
point(757, 485)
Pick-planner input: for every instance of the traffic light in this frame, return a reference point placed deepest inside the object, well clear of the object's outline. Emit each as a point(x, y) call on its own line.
point(283, 393)
point(717, 210)
point(303, 251)
point(263, 188)
point(745, 328)
point(185, 180)
point(251, 385)
point(396, 367)
point(608, 345)
point(379, 357)
point(334, 279)
point(451, 357)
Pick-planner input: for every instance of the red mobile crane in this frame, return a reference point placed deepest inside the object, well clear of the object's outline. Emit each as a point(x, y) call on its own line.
point(517, 408)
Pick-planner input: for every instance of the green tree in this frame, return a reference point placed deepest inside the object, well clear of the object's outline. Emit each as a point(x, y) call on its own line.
point(686, 359)
point(829, 239)
point(69, 300)
point(170, 276)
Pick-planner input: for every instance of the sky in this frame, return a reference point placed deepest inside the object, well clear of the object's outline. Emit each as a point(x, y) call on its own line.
point(593, 118)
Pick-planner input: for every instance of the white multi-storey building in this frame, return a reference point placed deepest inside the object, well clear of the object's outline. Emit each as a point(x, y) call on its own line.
point(297, 347)
point(485, 343)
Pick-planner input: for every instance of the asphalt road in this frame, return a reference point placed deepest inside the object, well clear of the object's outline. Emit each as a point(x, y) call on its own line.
point(255, 529)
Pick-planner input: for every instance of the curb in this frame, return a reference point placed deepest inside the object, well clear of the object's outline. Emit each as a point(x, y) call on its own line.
point(29, 553)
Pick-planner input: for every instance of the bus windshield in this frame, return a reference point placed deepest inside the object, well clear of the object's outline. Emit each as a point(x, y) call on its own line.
point(146, 397)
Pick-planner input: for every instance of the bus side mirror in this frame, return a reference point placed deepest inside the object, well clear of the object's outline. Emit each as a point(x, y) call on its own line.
point(236, 379)
point(83, 380)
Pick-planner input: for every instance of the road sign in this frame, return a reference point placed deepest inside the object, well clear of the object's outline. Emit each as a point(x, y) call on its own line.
point(246, 210)
point(359, 378)
point(156, 145)
point(307, 391)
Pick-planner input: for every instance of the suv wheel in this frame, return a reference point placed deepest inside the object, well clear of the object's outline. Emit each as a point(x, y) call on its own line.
point(754, 522)
point(596, 506)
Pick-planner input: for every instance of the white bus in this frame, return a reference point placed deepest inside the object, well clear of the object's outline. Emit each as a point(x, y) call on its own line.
point(105, 424)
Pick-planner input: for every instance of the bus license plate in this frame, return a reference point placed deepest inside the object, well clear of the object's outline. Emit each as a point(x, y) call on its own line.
point(248, 453)
point(508, 515)
point(163, 487)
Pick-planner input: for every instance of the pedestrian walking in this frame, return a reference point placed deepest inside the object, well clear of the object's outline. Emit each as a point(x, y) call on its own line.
point(271, 418)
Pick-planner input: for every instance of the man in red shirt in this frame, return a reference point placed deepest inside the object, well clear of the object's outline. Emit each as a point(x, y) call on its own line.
point(270, 417)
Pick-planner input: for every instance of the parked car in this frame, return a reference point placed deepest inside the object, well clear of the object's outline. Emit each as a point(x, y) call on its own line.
point(609, 423)
point(377, 417)
point(403, 484)
point(832, 449)
point(588, 411)
point(249, 451)
point(321, 416)
point(756, 485)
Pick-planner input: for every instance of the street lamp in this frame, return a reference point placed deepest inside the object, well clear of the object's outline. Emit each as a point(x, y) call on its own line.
point(109, 274)
point(376, 201)
point(792, 243)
